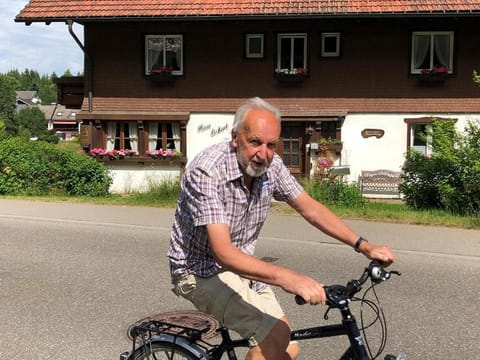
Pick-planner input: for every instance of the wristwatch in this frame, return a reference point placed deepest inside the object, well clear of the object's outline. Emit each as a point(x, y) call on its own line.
point(360, 240)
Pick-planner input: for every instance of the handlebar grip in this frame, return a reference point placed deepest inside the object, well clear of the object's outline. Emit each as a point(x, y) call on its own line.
point(299, 300)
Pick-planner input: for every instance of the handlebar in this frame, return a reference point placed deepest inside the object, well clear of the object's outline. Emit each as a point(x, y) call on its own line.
point(338, 293)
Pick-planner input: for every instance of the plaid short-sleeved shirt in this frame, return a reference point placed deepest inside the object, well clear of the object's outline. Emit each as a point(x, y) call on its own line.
point(213, 192)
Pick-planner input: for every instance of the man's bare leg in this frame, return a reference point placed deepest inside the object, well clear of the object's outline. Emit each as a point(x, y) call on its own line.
point(276, 346)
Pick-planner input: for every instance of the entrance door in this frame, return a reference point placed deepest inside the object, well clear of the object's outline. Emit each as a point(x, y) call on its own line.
point(292, 147)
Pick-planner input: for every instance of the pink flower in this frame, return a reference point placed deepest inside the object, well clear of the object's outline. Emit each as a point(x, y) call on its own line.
point(325, 163)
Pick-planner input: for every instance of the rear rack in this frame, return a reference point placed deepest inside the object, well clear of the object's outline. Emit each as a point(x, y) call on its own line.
point(146, 330)
point(191, 325)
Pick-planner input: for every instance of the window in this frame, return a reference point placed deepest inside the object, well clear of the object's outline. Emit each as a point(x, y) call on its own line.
point(328, 130)
point(330, 44)
point(143, 136)
point(291, 51)
point(419, 140)
point(254, 46)
point(418, 130)
point(122, 135)
point(431, 50)
point(164, 135)
point(291, 151)
point(164, 53)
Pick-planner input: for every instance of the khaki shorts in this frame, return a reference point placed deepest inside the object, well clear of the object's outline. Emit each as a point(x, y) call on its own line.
point(229, 298)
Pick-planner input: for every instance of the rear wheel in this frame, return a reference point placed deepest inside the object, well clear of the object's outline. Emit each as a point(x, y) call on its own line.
point(160, 350)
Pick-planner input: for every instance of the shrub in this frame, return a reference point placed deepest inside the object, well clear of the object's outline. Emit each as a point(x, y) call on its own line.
point(39, 168)
point(449, 179)
point(164, 192)
point(335, 192)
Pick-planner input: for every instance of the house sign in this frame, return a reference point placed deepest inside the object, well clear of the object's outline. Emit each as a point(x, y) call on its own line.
point(214, 130)
point(205, 130)
point(378, 133)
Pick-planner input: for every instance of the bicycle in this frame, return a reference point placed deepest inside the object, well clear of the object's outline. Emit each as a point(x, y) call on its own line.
point(174, 340)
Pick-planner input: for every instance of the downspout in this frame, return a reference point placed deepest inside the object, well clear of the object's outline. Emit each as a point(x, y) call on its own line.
point(89, 64)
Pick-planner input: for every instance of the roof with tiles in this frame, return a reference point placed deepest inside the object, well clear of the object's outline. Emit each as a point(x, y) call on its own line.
point(91, 10)
point(293, 107)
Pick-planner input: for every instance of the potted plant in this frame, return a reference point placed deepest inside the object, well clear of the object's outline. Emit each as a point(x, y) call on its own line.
point(164, 154)
point(291, 75)
point(161, 73)
point(435, 74)
point(330, 144)
point(113, 154)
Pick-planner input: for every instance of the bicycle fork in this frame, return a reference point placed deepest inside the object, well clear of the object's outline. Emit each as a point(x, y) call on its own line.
point(357, 344)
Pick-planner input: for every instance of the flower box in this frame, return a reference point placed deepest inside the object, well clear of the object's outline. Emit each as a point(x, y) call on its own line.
point(99, 153)
point(336, 148)
point(291, 75)
point(435, 75)
point(162, 76)
point(162, 73)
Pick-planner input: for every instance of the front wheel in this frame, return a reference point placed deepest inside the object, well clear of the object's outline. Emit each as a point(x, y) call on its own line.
point(160, 350)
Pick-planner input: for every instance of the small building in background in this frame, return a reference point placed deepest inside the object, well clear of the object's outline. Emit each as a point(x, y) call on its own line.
point(61, 120)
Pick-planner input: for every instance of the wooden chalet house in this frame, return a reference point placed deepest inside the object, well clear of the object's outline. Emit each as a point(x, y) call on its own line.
point(365, 76)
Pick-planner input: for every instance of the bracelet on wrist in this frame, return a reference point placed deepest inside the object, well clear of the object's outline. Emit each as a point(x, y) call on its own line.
point(360, 240)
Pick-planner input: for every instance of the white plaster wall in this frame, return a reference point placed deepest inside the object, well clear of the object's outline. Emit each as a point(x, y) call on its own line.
point(388, 152)
point(127, 178)
point(358, 153)
point(204, 130)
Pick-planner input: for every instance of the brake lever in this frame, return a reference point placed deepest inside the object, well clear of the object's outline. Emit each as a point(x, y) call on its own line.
point(379, 274)
point(325, 315)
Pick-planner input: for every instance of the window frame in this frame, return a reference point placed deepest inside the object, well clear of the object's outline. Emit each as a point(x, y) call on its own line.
point(149, 64)
point(122, 138)
point(291, 36)
point(326, 35)
point(253, 55)
point(427, 121)
point(140, 135)
point(164, 138)
point(291, 146)
point(416, 71)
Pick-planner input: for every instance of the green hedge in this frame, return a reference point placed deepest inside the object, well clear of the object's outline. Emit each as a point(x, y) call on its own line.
point(449, 179)
point(335, 192)
point(39, 168)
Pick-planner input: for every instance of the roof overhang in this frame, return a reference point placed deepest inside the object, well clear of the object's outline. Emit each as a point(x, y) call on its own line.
point(243, 17)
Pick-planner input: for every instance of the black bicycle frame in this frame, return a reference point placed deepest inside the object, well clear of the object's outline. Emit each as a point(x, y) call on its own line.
point(227, 345)
point(348, 327)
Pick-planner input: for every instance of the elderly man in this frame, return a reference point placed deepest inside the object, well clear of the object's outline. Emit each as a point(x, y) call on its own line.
point(224, 200)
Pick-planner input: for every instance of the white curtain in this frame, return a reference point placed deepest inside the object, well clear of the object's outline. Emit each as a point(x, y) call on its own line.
point(155, 50)
point(152, 136)
point(111, 128)
point(176, 135)
point(442, 49)
point(132, 127)
point(421, 48)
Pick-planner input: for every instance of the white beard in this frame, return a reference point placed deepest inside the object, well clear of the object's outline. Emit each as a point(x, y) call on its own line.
point(249, 169)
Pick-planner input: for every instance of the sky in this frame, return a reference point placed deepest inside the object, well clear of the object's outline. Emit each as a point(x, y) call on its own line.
point(39, 47)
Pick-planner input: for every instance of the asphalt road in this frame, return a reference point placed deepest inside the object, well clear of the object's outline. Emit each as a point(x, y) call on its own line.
point(73, 277)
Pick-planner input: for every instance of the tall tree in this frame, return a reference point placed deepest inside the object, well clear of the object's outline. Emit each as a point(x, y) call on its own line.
point(31, 122)
point(7, 102)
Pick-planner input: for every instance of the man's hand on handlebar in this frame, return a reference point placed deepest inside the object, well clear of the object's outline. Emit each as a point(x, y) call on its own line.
point(381, 253)
point(306, 287)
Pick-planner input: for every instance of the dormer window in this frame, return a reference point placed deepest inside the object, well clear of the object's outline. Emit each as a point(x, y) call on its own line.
point(431, 50)
point(291, 51)
point(164, 54)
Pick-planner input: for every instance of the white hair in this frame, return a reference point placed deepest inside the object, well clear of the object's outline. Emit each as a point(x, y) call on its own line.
point(250, 104)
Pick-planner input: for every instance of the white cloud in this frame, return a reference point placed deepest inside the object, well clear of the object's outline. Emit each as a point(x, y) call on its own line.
point(45, 48)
